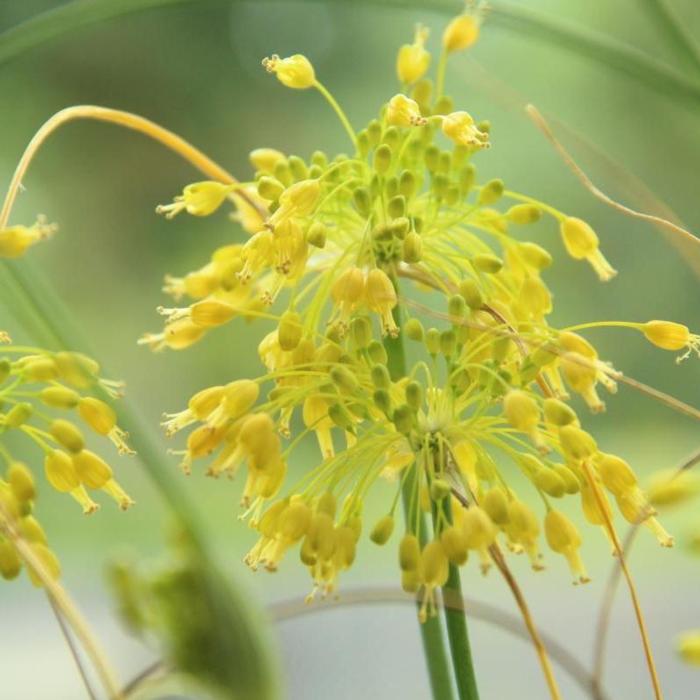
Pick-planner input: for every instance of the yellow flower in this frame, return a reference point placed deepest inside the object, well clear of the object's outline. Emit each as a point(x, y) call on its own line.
point(403, 111)
point(462, 32)
point(294, 72)
point(460, 128)
point(581, 243)
point(198, 199)
point(15, 240)
point(672, 336)
point(413, 59)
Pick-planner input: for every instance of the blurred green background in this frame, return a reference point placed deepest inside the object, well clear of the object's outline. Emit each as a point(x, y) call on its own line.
point(195, 68)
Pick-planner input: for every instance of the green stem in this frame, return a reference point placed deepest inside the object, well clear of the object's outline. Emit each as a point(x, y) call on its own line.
point(430, 630)
point(338, 110)
point(458, 634)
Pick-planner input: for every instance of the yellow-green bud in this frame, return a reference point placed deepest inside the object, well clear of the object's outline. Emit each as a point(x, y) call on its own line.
point(381, 532)
point(559, 413)
point(382, 401)
point(576, 443)
point(439, 489)
point(92, 470)
point(102, 418)
point(362, 200)
point(409, 553)
point(40, 369)
point(432, 340)
point(491, 192)
point(270, 187)
point(67, 435)
point(344, 379)
point(21, 482)
point(471, 293)
point(535, 256)
point(487, 263)
point(407, 184)
point(298, 168)
point(60, 471)
point(549, 481)
point(59, 397)
point(403, 419)
point(454, 543)
point(317, 235)
point(361, 331)
point(380, 376)
point(18, 415)
point(413, 329)
point(10, 562)
point(456, 307)
point(5, 369)
point(382, 160)
point(77, 369)
point(377, 352)
point(412, 248)
point(495, 504)
point(290, 330)
point(571, 482)
point(414, 395)
point(448, 343)
point(523, 214)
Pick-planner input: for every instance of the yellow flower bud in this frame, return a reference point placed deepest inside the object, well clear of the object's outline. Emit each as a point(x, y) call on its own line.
point(671, 488)
point(409, 553)
point(558, 413)
point(454, 542)
point(290, 330)
point(294, 72)
point(616, 474)
point(10, 562)
point(461, 33)
point(563, 538)
point(581, 243)
point(77, 369)
point(60, 472)
point(67, 435)
point(92, 470)
point(403, 111)
point(413, 59)
point(265, 159)
point(689, 647)
point(495, 504)
point(59, 397)
point(209, 313)
point(577, 444)
point(21, 482)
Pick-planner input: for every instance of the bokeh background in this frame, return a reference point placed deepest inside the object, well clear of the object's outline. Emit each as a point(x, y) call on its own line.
point(195, 68)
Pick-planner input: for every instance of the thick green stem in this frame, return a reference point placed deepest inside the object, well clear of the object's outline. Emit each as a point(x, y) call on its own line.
point(430, 630)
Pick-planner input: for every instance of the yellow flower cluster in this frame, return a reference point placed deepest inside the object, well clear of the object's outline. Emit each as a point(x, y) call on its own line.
point(340, 246)
point(34, 381)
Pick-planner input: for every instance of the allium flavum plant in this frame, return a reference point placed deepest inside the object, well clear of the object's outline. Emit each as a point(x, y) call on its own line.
point(340, 250)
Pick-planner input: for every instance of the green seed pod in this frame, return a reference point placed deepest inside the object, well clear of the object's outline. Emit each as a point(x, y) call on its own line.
point(319, 158)
point(362, 201)
point(18, 415)
point(400, 226)
point(403, 419)
point(382, 401)
point(382, 531)
point(440, 184)
point(340, 417)
point(317, 235)
point(361, 331)
point(469, 289)
point(391, 137)
point(391, 187)
point(432, 341)
point(396, 207)
point(444, 105)
point(407, 184)
point(377, 353)
point(412, 248)
point(489, 264)
point(414, 395)
point(444, 162)
point(5, 369)
point(523, 214)
point(432, 155)
point(448, 343)
point(413, 329)
point(380, 376)
point(289, 331)
point(491, 192)
point(270, 188)
point(467, 178)
point(456, 307)
point(298, 168)
point(363, 144)
point(382, 158)
point(374, 131)
point(344, 379)
point(439, 489)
